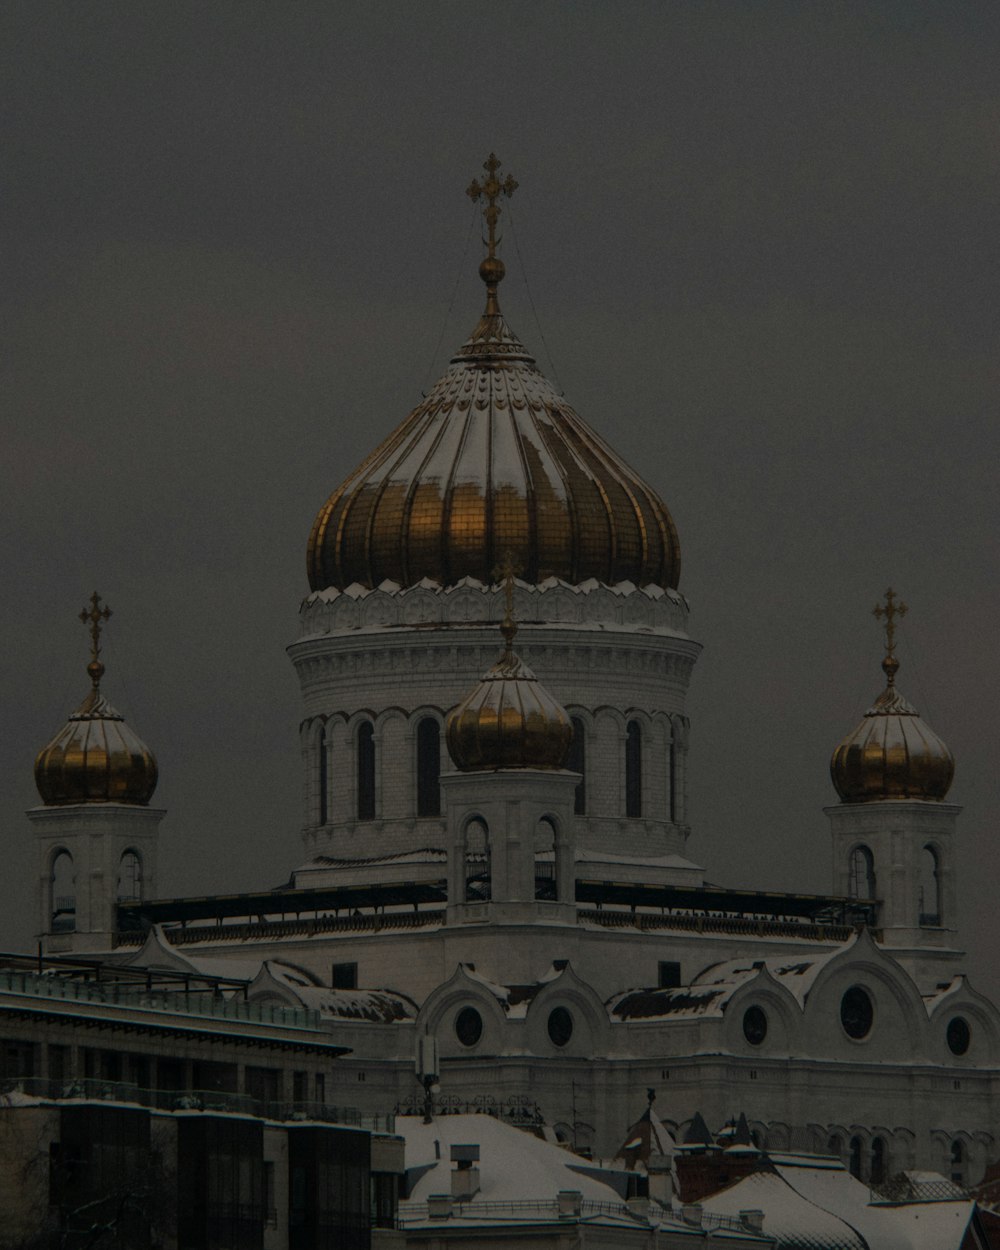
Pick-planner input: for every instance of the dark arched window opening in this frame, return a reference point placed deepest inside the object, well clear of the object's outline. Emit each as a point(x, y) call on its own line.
point(63, 884)
point(835, 1145)
point(633, 770)
point(129, 878)
point(323, 777)
point(672, 782)
point(545, 861)
point(878, 1172)
point(854, 1163)
point(862, 873)
point(930, 887)
point(366, 771)
point(577, 763)
point(958, 1162)
point(428, 767)
point(477, 863)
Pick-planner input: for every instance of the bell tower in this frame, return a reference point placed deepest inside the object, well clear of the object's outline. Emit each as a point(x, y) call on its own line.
point(893, 833)
point(95, 831)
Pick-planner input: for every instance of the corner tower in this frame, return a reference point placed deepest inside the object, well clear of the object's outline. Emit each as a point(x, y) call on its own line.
point(95, 831)
point(406, 597)
point(893, 832)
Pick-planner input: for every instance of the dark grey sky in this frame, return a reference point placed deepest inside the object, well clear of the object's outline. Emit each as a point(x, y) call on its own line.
point(761, 240)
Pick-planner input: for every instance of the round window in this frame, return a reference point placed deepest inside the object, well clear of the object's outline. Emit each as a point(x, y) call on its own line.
point(468, 1026)
point(857, 1013)
point(560, 1026)
point(959, 1035)
point(755, 1025)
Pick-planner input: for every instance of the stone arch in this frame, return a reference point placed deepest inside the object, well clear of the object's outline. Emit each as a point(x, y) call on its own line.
point(983, 1019)
point(590, 1026)
point(546, 858)
point(634, 781)
point(576, 761)
point(779, 1136)
point(129, 886)
point(427, 726)
point(62, 890)
point(930, 895)
point(439, 1012)
point(605, 793)
point(900, 1016)
point(862, 881)
point(784, 1017)
point(364, 764)
point(477, 873)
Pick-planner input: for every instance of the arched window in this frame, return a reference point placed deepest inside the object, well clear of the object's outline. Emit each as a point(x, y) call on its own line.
point(854, 1162)
point(633, 770)
point(930, 887)
point(672, 780)
point(63, 884)
point(835, 1145)
point(861, 873)
point(477, 863)
point(958, 1161)
point(545, 861)
point(428, 767)
point(879, 1161)
point(576, 762)
point(323, 777)
point(366, 771)
point(129, 878)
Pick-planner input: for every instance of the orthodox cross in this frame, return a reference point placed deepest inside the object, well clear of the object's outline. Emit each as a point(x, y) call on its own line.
point(506, 572)
point(491, 270)
point(491, 189)
point(889, 613)
point(95, 616)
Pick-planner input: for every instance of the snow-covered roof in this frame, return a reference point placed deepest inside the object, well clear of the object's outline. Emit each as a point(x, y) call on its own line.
point(379, 1006)
point(791, 1219)
point(514, 1165)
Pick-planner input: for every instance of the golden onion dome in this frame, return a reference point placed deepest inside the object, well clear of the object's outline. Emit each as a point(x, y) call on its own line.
point(509, 720)
point(493, 460)
point(892, 754)
point(95, 757)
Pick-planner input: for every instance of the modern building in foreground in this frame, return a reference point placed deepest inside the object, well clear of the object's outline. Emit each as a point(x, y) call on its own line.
point(496, 853)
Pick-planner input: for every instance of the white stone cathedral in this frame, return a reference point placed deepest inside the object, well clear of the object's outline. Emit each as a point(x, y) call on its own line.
point(496, 856)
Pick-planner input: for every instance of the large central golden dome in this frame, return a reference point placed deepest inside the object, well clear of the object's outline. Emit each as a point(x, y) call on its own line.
point(493, 463)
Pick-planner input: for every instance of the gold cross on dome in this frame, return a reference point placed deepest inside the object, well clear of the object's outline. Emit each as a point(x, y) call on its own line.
point(506, 571)
point(889, 613)
point(490, 189)
point(95, 616)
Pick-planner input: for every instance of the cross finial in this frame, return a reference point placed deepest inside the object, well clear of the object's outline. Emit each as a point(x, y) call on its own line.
point(490, 189)
point(889, 613)
point(94, 616)
point(506, 572)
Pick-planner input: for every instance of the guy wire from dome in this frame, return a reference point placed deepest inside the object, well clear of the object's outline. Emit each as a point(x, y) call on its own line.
point(892, 753)
point(95, 757)
point(493, 460)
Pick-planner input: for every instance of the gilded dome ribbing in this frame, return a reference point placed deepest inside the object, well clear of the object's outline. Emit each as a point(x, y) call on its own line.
point(509, 720)
point(95, 757)
point(892, 754)
point(492, 461)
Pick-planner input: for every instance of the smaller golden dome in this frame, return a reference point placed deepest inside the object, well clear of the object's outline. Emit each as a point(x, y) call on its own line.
point(95, 757)
point(892, 754)
point(509, 720)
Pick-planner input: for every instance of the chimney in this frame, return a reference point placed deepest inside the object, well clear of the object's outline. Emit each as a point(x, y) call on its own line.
point(753, 1220)
point(691, 1212)
point(464, 1176)
point(661, 1185)
point(438, 1206)
point(570, 1202)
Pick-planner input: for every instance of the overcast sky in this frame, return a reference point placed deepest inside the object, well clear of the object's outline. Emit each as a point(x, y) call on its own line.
point(761, 243)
